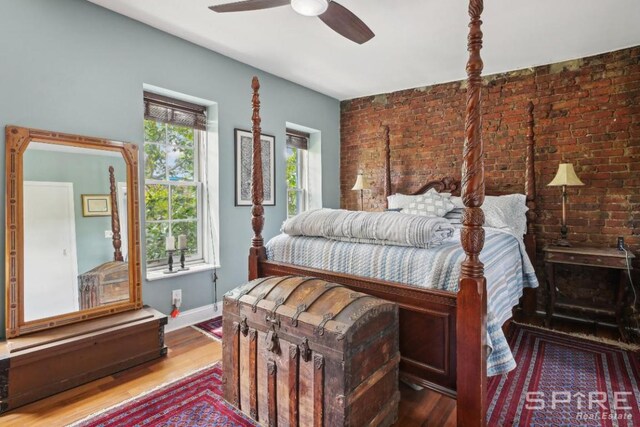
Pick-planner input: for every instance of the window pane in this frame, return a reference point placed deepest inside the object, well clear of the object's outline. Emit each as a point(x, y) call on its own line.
point(156, 234)
point(170, 154)
point(156, 198)
point(154, 131)
point(184, 202)
point(155, 162)
point(181, 164)
point(292, 167)
point(180, 136)
point(292, 203)
point(189, 229)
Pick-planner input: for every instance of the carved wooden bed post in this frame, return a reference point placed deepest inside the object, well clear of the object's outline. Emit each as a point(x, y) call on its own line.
point(529, 301)
point(471, 314)
point(387, 166)
point(530, 184)
point(115, 218)
point(257, 251)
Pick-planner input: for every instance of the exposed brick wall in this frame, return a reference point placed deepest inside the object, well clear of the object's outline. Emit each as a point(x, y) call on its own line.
point(587, 112)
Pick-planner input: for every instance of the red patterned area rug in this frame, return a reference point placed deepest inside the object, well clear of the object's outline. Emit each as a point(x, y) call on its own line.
point(212, 328)
point(193, 401)
point(563, 380)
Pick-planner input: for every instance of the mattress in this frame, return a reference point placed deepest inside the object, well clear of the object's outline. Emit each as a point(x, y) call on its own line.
point(507, 270)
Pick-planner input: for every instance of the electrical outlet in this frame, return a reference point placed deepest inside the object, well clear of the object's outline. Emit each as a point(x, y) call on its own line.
point(108, 234)
point(176, 297)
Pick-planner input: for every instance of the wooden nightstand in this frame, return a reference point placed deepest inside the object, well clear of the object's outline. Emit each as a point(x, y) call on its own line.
point(588, 257)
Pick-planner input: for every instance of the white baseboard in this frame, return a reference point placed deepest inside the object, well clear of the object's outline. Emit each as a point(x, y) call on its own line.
point(193, 316)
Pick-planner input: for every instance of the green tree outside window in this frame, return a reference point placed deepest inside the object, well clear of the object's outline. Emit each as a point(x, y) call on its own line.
point(172, 189)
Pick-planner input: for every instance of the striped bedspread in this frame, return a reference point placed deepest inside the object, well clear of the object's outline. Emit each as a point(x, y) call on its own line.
point(507, 269)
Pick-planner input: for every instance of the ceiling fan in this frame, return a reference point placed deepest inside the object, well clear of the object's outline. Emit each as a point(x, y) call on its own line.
point(336, 16)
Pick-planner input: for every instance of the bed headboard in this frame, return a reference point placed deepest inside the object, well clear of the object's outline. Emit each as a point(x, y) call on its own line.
point(448, 184)
point(452, 185)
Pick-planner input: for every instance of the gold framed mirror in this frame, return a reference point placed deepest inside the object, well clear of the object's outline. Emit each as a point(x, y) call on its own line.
point(72, 229)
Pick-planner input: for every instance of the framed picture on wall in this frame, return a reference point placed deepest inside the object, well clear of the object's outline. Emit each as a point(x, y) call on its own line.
point(243, 161)
point(96, 205)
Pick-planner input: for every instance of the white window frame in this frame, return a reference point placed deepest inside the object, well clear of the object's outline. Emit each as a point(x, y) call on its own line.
point(302, 190)
point(198, 182)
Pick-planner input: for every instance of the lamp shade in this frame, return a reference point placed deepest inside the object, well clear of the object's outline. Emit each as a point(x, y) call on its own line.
point(565, 176)
point(359, 185)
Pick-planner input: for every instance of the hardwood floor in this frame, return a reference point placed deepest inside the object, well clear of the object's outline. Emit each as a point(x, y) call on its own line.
point(425, 408)
point(188, 351)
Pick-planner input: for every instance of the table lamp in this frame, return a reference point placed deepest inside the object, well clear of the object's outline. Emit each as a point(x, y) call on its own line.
point(360, 186)
point(565, 176)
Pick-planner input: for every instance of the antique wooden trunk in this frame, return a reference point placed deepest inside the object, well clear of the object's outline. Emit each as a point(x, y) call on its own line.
point(105, 284)
point(299, 351)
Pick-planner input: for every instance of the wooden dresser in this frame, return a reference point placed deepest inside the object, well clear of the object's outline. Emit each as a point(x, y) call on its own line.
point(38, 365)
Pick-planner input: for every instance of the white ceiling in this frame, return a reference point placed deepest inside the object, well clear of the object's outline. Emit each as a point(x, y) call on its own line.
point(417, 43)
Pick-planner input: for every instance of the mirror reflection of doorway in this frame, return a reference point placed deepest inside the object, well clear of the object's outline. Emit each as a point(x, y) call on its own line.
point(51, 264)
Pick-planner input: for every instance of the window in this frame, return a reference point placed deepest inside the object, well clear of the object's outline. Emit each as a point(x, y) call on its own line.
point(297, 175)
point(174, 133)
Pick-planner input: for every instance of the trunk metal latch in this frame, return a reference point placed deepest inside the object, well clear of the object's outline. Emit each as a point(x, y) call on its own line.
point(272, 340)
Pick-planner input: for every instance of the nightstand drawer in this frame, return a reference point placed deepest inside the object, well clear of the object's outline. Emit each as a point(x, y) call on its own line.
point(583, 259)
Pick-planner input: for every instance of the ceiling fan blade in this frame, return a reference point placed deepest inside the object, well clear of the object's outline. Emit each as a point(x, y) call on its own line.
point(243, 6)
point(344, 22)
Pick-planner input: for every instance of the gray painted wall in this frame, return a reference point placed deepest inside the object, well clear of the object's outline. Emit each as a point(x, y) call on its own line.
point(72, 66)
point(89, 174)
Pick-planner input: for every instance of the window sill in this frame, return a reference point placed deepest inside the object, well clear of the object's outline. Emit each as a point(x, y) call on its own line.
point(154, 275)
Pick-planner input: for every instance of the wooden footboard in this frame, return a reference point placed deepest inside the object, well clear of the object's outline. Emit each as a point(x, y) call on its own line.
point(427, 323)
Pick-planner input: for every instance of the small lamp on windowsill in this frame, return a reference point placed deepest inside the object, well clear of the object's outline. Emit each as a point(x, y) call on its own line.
point(565, 176)
point(360, 186)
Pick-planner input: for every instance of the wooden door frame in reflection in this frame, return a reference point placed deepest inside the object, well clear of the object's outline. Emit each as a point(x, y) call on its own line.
point(17, 140)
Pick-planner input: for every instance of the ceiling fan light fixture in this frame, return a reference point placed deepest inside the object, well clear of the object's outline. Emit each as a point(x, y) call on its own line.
point(310, 7)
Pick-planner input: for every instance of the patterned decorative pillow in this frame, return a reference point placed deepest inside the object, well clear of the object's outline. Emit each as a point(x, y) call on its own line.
point(434, 191)
point(400, 200)
point(429, 204)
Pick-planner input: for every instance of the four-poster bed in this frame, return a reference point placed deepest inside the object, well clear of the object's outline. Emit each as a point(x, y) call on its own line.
point(449, 354)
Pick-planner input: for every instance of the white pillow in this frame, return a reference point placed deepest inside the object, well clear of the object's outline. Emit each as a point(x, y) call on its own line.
point(400, 201)
point(429, 204)
point(503, 212)
point(507, 212)
point(457, 201)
